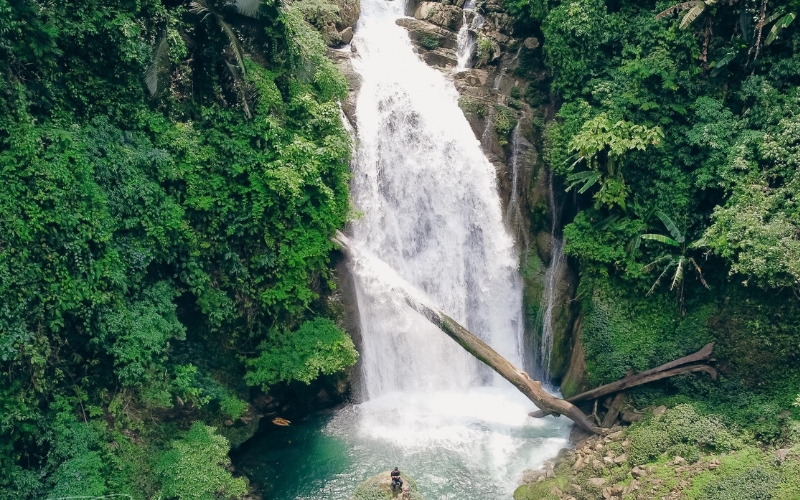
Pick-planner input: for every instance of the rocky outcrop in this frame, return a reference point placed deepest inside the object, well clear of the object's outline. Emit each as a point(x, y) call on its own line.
point(440, 14)
point(380, 486)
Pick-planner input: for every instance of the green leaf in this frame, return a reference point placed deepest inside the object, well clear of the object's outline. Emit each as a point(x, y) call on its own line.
point(671, 227)
point(782, 23)
point(661, 238)
point(589, 178)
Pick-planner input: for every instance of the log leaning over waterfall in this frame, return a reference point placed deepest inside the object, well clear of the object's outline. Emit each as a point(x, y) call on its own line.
point(677, 367)
point(484, 353)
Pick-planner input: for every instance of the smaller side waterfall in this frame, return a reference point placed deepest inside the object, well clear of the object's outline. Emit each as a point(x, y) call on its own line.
point(467, 39)
point(554, 272)
point(514, 217)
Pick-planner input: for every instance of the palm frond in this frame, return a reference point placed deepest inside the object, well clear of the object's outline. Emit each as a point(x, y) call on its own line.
point(248, 8)
point(159, 65)
point(678, 277)
point(782, 23)
point(607, 222)
point(671, 227)
point(699, 273)
point(200, 7)
point(722, 62)
point(649, 267)
point(675, 8)
point(658, 280)
point(690, 16)
point(589, 178)
point(633, 246)
point(661, 239)
point(236, 47)
point(770, 18)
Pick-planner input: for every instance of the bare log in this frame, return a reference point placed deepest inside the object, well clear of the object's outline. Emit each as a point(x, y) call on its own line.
point(613, 410)
point(491, 358)
point(633, 381)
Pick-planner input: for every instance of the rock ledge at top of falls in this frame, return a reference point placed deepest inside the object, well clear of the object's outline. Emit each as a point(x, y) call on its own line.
point(379, 487)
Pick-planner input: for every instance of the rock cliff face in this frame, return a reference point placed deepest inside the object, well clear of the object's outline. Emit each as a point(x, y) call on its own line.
point(505, 97)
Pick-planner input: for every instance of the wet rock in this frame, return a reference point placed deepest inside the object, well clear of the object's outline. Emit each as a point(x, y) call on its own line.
point(631, 416)
point(346, 35)
point(531, 43)
point(422, 31)
point(379, 487)
point(446, 16)
point(349, 12)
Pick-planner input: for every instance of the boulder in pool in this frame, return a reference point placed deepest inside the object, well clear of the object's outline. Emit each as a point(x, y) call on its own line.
point(379, 487)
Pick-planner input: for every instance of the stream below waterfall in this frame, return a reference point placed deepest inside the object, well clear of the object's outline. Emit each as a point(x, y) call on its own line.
point(430, 220)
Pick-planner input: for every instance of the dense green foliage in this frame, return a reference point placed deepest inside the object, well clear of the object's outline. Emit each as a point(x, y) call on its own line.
point(172, 173)
point(678, 131)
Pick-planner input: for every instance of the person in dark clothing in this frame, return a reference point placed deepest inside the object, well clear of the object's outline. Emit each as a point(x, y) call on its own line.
point(397, 481)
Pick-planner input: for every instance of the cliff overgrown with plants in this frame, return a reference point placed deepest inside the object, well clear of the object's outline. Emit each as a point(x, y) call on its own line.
point(171, 173)
point(678, 130)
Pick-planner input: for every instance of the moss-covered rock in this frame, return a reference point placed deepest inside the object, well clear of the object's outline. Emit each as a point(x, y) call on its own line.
point(379, 487)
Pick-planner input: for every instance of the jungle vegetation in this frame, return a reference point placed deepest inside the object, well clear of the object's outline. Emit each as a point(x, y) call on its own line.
point(678, 135)
point(171, 173)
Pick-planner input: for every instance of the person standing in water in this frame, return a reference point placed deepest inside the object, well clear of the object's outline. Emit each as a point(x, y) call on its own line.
point(397, 481)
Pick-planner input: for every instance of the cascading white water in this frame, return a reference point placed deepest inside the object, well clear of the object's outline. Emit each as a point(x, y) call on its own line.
point(551, 278)
point(431, 214)
point(467, 39)
point(431, 211)
point(514, 216)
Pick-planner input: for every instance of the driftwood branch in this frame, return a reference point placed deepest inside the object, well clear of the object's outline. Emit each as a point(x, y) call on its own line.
point(671, 369)
point(484, 353)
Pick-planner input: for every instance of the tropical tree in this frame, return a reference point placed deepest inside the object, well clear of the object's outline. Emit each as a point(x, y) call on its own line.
point(695, 8)
point(678, 261)
point(600, 145)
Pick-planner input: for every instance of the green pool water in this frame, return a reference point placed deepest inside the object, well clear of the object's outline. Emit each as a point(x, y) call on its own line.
point(457, 445)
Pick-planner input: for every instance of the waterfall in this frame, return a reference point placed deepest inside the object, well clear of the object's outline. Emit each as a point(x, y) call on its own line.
point(430, 216)
point(552, 275)
point(467, 39)
point(514, 210)
point(431, 211)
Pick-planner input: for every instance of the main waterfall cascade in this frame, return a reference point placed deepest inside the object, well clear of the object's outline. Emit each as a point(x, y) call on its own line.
point(431, 212)
point(431, 217)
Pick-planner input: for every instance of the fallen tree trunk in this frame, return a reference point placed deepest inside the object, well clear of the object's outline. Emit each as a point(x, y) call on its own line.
point(660, 372)
point(484, 353)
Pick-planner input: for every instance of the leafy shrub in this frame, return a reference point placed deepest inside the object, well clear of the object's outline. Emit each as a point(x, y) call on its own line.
point(194, 468)
point(430, 42)
point(752, 484)
point(504, 123)
point(317, 347)
point(233, 407)
point(679, 430)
